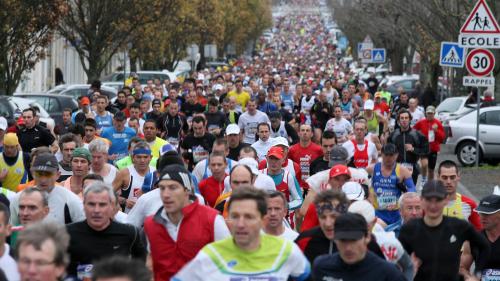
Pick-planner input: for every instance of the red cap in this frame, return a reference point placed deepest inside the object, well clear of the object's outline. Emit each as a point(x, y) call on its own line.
point(339, 170)
point(20, 120)
point(277, 152)
point(85, 101)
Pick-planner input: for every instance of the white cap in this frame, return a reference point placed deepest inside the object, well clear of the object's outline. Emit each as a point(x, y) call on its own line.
point(369, 105)
point(251, 163)
point(363, 208)
point(3, 123)
point(353, 191)
point(218, 87)
point(201, 76)
point(232, 129)
point(280, 141)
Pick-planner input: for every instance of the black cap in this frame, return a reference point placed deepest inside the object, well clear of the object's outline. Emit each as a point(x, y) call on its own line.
point(489, 205)
point(156, 101)
point(338, 155)
point(350, 226)
point(434, 189)
point(45, 162)
point(389, 149)
point(274, 115)
point(176, 173)
point(120, 116)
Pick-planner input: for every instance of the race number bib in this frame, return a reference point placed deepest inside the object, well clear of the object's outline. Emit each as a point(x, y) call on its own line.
point(490, 275)
point(431, 136)
point(199, 154)
point(386, 198)
point(84, 272)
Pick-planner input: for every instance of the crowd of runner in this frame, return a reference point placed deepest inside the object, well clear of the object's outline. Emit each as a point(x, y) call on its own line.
point(285, 165)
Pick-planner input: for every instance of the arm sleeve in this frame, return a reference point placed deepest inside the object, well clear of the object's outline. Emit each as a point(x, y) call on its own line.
point(292, 133)
point(199, 170)
point(410, 185)
point(48, 137)
point(406, 266)
point(295, 193)
point(138, 250)
point(301, 268)
point(76, 208)
point(440, 134)
point(220, 228)
point(479, 243)
point(136, 215)
point(405, 239)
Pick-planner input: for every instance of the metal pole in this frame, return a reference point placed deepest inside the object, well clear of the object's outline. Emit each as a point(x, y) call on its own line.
point(477, 126)
point(124, 67)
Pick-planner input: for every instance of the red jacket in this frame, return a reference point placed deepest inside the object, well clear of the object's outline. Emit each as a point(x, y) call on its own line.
point(211, 189)
point(195, 231)
point(424, 126)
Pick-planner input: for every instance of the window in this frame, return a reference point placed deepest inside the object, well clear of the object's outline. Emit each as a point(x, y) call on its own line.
point(54, 106)
point(490, 118)
point(406, 84)
point(5, 111)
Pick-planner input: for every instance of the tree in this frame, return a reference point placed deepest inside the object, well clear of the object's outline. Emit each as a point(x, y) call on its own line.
point(27, 27)
point(98, 29)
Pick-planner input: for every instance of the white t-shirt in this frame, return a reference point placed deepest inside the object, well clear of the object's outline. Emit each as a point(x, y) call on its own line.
point(121, 217)
point(389, 244)
point(319, 181)
point(9, 265)
point(262, 148)
point(248, 123)
point(372, 149)
point(262, 181)
point(341, 128)
point(58, 198)
point(416, 116)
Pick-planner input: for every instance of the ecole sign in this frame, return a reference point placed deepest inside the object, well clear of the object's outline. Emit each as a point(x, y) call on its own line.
point(481, 29)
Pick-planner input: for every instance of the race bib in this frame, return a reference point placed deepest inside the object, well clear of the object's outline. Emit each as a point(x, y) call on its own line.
point(199, 154)
point(84, 272)
point(490, 275)
point(431, 136)
point(386, 198)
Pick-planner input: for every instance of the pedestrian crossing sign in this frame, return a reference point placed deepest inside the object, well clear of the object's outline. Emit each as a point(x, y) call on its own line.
point(452, 55)
point(378, 55)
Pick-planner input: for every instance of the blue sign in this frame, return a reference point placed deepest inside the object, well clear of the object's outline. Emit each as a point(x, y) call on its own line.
point(452, 55)
point(378, 55)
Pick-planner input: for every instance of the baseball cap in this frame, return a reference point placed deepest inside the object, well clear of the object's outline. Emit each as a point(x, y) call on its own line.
point(280, 141)
point(156, 102)
point(218, 87)
point(276, 151)
point(389, 149)
point(378, 95)
point(369, 105)
point(363, 208)
point(338, 155)
point(176, 173)
point(489, 205)
point(85, 101)
point(353, 191)
point(120, 116)
point(20, 121)
point(82, 152)
point(3, 123)
point(350, 226)
point(232, 129)
point(434, 189)
point(10, 139)
point(339, 170)
point(251, 163)
point(430, 109)
point(166, 148)
point(45, 162)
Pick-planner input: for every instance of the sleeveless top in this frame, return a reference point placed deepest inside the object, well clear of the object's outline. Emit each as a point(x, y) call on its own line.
point(360, 157)
point(281, 132)
point(104, 121)
point(17, 174)
point(387, 193)
point(136, 184)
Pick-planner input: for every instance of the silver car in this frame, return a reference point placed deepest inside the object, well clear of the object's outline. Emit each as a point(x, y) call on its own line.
point(462, 136)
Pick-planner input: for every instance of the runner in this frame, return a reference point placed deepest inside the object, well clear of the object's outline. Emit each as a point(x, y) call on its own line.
point(264, 143)
point(339, 125)
point(249, 121)
point(247, 254)
point(277, 210)
point(304, 152)
point(362, 151)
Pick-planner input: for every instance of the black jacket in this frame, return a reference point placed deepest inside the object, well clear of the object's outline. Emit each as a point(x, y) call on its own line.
point(413, 137)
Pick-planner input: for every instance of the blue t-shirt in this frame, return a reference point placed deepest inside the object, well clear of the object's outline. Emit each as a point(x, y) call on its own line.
point(105, 121)
point(119, 140)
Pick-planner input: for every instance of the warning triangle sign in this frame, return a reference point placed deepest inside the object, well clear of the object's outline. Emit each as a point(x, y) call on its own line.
point(452, 56)
point(481, 20)
point(378, 57)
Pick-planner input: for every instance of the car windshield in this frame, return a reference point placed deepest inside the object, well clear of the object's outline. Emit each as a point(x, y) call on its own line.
point(449, 105)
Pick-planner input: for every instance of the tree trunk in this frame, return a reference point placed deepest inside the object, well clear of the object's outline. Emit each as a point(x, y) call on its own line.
point(396, 55)
point(201, 64)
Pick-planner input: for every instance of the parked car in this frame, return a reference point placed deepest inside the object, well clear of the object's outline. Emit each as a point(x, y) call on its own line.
point(462, 136)
point(52, 103)
point(116, 85)
point(12, 107)
point(144, 76)
point(77, 90)
point(408, 83)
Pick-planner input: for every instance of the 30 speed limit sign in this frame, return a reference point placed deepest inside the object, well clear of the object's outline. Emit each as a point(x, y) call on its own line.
point(480, 62)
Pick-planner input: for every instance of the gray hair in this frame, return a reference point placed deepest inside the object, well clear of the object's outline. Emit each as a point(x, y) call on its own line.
point(488, 93)
point(98, 187)
point(38, 233)
point(99, 146)
point(43, 193)
point(407, 195)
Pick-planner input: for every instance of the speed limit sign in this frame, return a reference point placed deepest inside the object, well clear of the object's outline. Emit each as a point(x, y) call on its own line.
point(480, 62)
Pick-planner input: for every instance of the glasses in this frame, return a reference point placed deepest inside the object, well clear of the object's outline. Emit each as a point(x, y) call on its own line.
point(328, 206)
point(38, 263)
